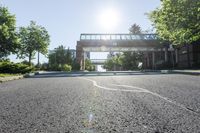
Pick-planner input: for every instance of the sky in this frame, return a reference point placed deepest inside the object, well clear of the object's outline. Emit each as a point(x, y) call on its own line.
point(65, 20)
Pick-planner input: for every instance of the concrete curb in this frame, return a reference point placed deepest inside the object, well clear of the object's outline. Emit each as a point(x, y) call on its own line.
point(175, 72)
point(185, 72)
point(28, 75)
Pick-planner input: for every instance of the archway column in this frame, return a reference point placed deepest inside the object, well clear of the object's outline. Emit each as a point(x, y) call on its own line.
point(83, 60)
point(166, 55)
point(153, 59)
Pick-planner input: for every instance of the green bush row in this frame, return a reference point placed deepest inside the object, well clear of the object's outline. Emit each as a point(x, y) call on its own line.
point(67, 68)
point(56, 67)
point(10, 67)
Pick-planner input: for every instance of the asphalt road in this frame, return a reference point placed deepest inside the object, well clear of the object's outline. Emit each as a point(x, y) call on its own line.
point(87, 103)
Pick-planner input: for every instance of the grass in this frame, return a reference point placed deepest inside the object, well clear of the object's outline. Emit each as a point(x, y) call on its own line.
point(8, 75)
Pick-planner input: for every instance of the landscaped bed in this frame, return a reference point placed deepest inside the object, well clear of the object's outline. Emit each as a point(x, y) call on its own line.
point(8, 75)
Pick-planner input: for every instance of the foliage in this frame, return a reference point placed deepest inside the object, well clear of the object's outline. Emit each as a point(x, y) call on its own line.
point(8, 75)
point(75, 65)
point(131, 60)
point(88, 65)
point(177, 21)
point(33, 38)
point(135, 29)
point(44, 66)
point(10, 67)
point(60, 57)
point(67, 68)
point(109, 64)
point(114, 62)
point(9, 41)
point(126, 61)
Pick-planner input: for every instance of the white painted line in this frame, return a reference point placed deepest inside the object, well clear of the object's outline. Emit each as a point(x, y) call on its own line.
point(141, 90)
point(155, 94)
point(110, 89)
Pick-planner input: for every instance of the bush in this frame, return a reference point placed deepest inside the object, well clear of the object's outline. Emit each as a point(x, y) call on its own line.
point(44, 66)
point(10, 67)
point(75, 66)
point(67, 68)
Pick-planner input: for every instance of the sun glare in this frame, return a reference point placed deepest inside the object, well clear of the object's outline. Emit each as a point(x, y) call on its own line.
point(109, 19)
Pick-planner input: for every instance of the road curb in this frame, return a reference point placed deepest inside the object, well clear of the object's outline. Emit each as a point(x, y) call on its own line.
point(187, 73)
point(28, 75)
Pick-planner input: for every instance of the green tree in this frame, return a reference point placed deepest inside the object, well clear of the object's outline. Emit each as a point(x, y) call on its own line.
point(59, 58)
point(9, 41)
point(69, 57)
point(88, 65)
point(131, 58)
point(114, 62)
point(135, 29)
point(34, 38)
point(177, 21)
point(109, 64)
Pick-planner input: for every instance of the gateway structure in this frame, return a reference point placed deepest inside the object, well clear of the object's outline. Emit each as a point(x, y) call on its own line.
point(154, 51)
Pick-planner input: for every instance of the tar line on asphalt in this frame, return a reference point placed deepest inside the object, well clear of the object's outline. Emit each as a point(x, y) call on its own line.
point(141, 90)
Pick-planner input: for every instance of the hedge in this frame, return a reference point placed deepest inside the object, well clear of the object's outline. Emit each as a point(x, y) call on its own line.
point(10, 67)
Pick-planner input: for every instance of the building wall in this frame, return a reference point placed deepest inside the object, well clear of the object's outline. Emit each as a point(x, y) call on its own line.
point(193, 51)
point(187, 57)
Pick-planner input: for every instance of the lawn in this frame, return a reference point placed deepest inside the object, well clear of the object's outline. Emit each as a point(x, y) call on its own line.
point(8, 75)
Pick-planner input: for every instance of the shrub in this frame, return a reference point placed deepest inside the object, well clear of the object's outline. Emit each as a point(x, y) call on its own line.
point(67, 68)
point(75, 66)
point(10, 67)
point(44, 66)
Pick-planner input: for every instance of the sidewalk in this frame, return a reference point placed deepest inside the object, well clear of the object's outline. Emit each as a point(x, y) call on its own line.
point(4, 79)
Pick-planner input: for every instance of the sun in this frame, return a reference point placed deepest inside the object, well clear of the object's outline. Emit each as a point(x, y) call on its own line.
point(109, 19)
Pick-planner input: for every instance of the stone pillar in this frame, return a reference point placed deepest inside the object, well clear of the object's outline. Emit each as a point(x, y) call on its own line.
point(148, 62)
point(81, 66)
point(83, 60)
point(166, 55)
point(176, 55)
point(153, 59)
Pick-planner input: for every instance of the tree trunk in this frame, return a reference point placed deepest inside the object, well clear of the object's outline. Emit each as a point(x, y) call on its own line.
point(29, 58)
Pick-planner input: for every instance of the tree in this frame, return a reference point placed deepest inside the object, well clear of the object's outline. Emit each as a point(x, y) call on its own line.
point(135, 29)
point(88, 65)
point(59, 58)
point(109, 64)
point(177, 21)
point(114, 62)
point(131, 59)
point(33, 38)
point(69, 57)
point(9, 41)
